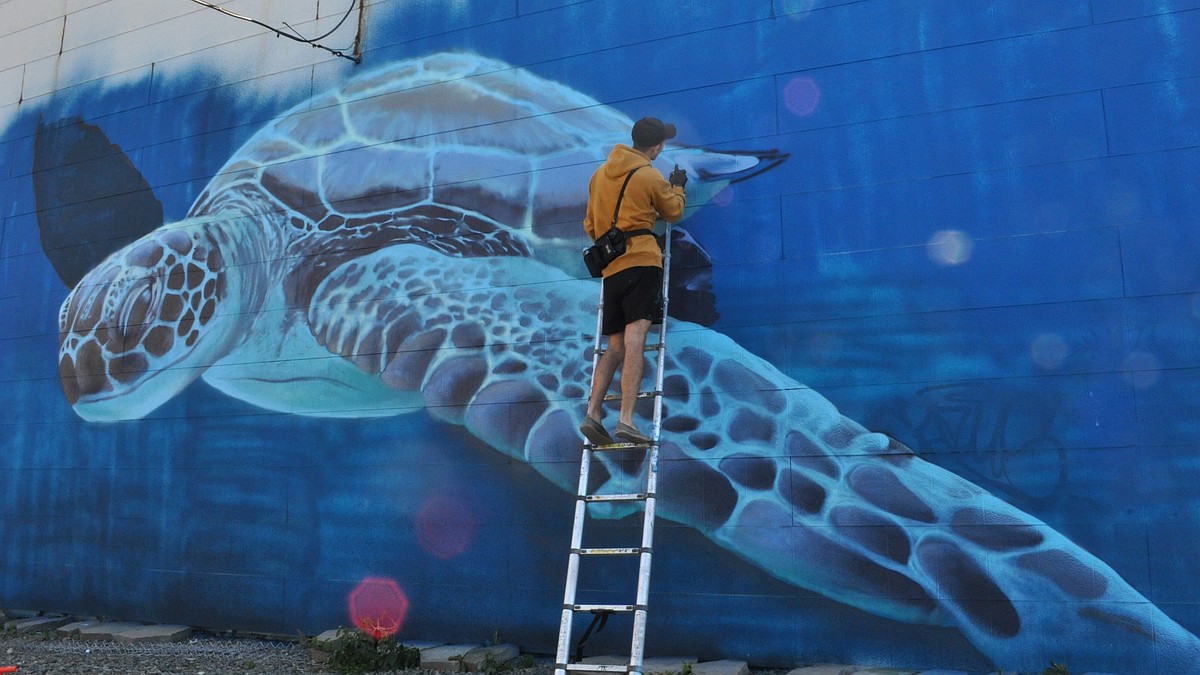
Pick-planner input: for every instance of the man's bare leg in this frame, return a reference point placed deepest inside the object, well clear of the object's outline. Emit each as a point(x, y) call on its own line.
point(602, 378)
point(632, 367)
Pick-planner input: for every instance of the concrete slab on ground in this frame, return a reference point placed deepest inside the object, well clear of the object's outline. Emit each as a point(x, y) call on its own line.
point(105, 630)
point(723, 667)
point(824, 669)
point(446, 658)
point(72, 629)
point(21, 614)
point(35, 625)
point(156, 633)
point(476, 659)
point(329, 635)
point(665, 665)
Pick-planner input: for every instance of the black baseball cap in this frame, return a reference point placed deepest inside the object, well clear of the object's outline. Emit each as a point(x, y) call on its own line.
point(650, 131)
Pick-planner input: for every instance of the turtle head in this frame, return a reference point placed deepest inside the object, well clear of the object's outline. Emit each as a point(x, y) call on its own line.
point(142, 324)
point(709, 171)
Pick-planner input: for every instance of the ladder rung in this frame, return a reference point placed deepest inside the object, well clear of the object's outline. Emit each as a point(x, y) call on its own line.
point(598, 667)
point(629, 497)
point(641, 394)
point(618, 446)
point(648, 348)
point(604, 608)
point(610, 551)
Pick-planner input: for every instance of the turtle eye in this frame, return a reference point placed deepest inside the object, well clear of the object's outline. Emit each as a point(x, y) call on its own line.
point(136, 312)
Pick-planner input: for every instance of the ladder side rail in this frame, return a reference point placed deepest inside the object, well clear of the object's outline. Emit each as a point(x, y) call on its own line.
point(597, 342)
point(568, 613)
point(566, 623)
point(661, 356)
point(637, 648)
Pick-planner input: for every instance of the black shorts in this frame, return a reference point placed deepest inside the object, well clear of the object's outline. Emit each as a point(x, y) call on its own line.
point(630, 295)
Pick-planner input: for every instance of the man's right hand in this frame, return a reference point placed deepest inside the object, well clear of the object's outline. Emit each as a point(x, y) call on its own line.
point(678, 177)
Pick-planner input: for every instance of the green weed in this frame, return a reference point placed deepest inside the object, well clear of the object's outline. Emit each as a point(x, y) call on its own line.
point(353, 651)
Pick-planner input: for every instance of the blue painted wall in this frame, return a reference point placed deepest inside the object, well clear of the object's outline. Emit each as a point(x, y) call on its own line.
point(980, 244)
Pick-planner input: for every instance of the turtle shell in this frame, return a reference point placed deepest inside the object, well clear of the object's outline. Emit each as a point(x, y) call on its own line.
point(447, 129)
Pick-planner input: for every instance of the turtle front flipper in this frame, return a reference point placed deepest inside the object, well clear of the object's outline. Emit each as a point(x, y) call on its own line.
point(145, 322)
point(410, 327)
point(340, 333)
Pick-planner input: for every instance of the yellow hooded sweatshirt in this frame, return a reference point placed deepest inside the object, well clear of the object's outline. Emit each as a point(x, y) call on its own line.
point(648, 197)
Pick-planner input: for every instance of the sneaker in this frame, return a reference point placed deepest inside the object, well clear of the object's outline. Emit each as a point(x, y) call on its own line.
point(630, 434)
point(595, 432)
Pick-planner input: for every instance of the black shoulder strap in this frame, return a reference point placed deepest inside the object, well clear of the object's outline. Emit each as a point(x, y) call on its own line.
point(622, 195)
point(617, 211)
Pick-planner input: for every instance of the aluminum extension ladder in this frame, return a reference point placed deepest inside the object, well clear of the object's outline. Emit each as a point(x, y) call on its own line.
point(601, 612)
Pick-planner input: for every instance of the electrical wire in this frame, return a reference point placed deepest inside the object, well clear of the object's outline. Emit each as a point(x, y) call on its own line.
point(295, 35)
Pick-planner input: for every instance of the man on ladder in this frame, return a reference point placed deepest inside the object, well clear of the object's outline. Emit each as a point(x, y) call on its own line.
point(625, 196)
point(630, 186)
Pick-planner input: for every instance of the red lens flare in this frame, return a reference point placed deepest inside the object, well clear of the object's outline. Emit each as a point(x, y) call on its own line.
point(378, 607)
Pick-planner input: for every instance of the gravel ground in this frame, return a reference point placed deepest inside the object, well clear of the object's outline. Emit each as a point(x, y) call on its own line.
point(203, 654)
point(38, 654)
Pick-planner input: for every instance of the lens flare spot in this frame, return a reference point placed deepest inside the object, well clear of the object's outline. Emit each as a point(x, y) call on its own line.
point(796, 9)
point(378, 607)
point(950, 247)
point(801, 96)
point(1141, 369)
point(1049, 351)
point(445, 526)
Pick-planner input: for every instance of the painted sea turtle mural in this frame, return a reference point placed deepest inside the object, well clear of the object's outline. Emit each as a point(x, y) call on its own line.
point(408, 242)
